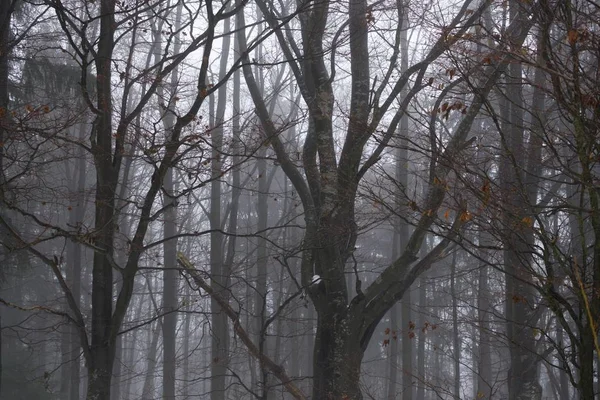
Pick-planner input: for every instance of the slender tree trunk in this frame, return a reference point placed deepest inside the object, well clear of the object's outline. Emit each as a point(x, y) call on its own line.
point(564, 378)
point(170, 275)
point(393, 358)
point(131, 350)
point(6, 9)
point(170, 297)
point(455, 335)
point(219, 275)
point(185, 392)
point(260, 302)
point(148, 389)
point(484, 361)
point(421, 354)
point(402, 230)
point(74, 267)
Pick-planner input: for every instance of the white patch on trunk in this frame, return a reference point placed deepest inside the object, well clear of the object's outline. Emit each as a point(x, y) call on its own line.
point(316, 279)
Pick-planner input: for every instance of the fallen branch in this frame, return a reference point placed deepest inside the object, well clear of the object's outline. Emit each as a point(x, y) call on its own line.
point(273, 367)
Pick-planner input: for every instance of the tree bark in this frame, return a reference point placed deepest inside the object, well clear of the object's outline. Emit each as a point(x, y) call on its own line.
point(170, 274)
point(456, 344)
point(518, 239)
point(102, 346)
point(219, 274)
point(393, 358)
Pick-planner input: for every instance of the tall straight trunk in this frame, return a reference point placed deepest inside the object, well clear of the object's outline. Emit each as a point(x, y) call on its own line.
point(74, 270)
point(455, 335)
point(393, 358)
point(170, 297)
point(170, 275)
point(563, 377)
point(117, 372)
point(102, 349)
point(6, 10)
point(185, 391)
point(65, 362)
point(484, 354)
point(309, 337)
point(407, 347)
point(402, 231)
point(520, 296)
point(260, 297)
point(260, 301)
point(421, 354)
point(130, 348)
point(400, 235)
point(148, 388)
point(586, 363)
point(219, 274)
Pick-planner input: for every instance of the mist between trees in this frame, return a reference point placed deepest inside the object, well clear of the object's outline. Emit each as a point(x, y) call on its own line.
point(302, 199)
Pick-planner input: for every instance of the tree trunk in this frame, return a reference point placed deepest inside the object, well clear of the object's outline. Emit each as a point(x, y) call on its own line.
point(586, 363)
point(6, 10)
point(519, 239)
point(338, 357)
point(421, 354)
point(564, 378)
point(219, 275)
point(102, 350)
point(170, 275)
point(170, 297)
point(484, 355)
point(393, 358)
point(408, 334)
point(455, 338)
point(148, 388)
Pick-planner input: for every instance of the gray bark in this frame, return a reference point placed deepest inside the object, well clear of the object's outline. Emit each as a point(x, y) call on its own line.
point(393, 359)
point(170, 274)
point(456, 344)
point(219, 273)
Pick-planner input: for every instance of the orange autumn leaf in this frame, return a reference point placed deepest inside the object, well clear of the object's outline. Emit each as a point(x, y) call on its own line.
point(465, 216)
point(572, 36)
point(527, 221)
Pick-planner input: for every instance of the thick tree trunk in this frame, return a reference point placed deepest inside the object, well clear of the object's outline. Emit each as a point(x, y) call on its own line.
point(102, 349)
point(586, 364)
point(337, 363)
point(518, 238)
